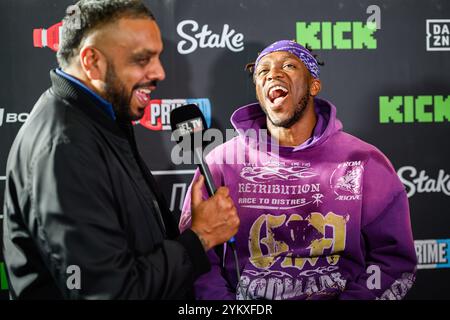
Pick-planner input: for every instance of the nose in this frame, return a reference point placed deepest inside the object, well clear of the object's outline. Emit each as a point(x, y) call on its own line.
point(156, 71)
point(274, 73)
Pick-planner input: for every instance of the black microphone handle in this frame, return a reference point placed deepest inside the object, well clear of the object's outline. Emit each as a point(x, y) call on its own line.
point(204, 170)
point(210, 187)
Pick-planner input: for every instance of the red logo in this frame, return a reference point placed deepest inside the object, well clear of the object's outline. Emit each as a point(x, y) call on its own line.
point(47, 37)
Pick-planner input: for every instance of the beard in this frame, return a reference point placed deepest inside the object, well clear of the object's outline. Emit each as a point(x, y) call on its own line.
point(116, 94)
point(297, 114)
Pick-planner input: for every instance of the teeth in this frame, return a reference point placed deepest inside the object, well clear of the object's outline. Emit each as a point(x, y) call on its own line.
point(146, 91)
point(277, 88)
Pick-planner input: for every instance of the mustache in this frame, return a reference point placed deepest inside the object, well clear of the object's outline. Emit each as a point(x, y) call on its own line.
point(153, 83)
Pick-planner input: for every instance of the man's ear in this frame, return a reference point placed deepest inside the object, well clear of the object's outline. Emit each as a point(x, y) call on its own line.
point(315, 87)
point(93, 63)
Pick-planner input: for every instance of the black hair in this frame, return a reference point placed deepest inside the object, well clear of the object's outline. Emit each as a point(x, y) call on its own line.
point(88, 15)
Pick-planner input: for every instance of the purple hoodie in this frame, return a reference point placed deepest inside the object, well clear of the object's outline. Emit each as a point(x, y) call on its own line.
point(328, 219)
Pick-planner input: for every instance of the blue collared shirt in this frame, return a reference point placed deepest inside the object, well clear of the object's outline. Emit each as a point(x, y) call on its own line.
point(104, 104)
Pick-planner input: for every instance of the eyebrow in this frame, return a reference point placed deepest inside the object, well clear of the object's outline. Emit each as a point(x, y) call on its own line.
point(143, 53)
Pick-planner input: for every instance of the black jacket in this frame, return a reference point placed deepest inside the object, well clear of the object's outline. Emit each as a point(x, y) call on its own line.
point(79, 197)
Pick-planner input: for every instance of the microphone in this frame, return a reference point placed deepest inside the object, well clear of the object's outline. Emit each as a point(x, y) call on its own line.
point(188, 121)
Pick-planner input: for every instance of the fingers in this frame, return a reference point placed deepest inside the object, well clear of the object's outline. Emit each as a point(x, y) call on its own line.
point(216, 219)
point(223, 198)
point(223, 191)
point(196, 191)
point(233, 215)
point(232, 222)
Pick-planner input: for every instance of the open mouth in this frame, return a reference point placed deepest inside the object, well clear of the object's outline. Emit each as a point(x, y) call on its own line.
point(277, 94)
point(143, 96)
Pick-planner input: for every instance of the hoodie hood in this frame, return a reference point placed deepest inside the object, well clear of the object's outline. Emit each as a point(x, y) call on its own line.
point(251, 116)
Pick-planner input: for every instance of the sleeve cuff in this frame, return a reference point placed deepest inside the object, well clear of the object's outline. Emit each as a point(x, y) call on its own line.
point(195, 251)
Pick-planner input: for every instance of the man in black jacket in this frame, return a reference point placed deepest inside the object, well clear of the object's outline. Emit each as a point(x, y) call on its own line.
point(79, 199)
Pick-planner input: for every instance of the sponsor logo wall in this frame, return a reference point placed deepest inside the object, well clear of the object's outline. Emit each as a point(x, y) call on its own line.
point(386, 70)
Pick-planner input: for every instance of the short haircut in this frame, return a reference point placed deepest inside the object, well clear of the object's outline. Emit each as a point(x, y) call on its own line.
point(89, 15)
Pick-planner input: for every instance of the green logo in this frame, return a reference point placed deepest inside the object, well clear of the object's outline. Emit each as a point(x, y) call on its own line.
point(3, 281)
point(337, 35)
point(410, 109)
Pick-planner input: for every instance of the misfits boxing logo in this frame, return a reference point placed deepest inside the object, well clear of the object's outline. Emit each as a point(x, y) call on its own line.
point(346, 180)
point(157, 113)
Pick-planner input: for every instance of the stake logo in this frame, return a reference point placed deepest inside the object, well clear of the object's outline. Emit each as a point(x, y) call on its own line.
point(410, 109)
point(420, 182)
point(438, 35)
point(157, 113)
point(205, 38)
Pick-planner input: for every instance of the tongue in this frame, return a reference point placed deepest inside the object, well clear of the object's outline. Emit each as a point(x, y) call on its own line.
point(276, 94)
point(277, 100)
point(143, 97)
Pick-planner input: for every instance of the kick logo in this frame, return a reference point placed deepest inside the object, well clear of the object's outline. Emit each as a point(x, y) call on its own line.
point(346, 35)
point(157, 113)
point(414, 109)
point(438, 35)
point(346, 180)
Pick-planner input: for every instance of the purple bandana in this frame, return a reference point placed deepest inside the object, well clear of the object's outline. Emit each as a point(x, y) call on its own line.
point(296, 49)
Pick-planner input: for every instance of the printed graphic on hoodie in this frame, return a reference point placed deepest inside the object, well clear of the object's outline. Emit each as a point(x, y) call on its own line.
point(346, 180)
point(294, 248)
point(278, 186)
point(292, 256)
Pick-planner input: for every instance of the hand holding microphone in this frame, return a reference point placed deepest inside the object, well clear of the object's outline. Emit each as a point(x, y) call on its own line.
point(214, 220)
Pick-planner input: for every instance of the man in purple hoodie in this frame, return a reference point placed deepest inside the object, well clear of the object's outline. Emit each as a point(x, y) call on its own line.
point(323, 214)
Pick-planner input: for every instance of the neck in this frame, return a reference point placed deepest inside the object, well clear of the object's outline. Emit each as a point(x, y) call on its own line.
point(298, 133)
point(81, 76)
